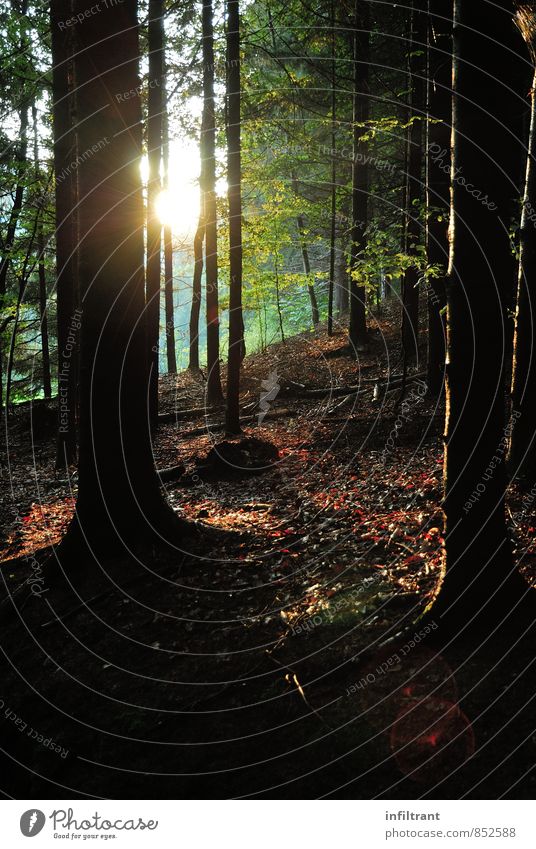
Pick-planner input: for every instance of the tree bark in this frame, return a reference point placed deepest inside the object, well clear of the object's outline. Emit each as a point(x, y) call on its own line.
point(168, 263)
point(16, 208)
point(43, 315)
point(119, 497)
point(278, 298)
point(522, 449)
point(234, 179)
point(300, 223)
point(439, 108)
point(360, 175)
point(12, 227)
point(208, 156)
point(480, 584)
point(23, 282)
point(315, 316)
point(40, 244)
point(66, 196)
point(410, 282)
point(17, 201)
point(333, 221)
point(195, 309)
point(404, 118)
point(155, 106)
point(341, 283)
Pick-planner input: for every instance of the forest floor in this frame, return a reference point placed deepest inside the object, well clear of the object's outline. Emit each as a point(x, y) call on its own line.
point(233, 668)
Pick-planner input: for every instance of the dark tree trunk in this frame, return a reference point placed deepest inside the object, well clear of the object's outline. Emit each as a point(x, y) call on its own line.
point(341, 283)
point(208, 156)
point(65, 169)
point(195, 309)
point(522, 450)
point(438, 181)
point(43, 315)
point(410, 283)
point(119, 495)
point(170, 312)
point(404, 117)
point(40, 244)
point(199, 237)
point(305, 258)
point(333, 223)
point(360, 175)
point(307, 271)
point(278, 298)
point(168, 266)
point(12, 228)
point(154, 187)
point(234, 179)
point(479, 582)
point(17, 201)
point(23, 281)
point(16, 208)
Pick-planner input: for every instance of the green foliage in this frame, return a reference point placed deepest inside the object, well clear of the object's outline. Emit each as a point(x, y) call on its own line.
point(289, 149)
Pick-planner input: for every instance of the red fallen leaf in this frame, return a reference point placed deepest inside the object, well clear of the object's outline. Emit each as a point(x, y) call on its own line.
point(413, 558)
point(431, 534)
point(371, 536)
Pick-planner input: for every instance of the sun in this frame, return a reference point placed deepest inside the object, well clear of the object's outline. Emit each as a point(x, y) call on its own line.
point(178, 206)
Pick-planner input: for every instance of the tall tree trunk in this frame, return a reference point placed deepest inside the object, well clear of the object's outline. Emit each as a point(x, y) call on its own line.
point(23, 282)
point(307, 271)
point(341, 281)
point(404, 118)
point(195, 309)
point(170, 311)
point(439, 108)
point(479, 582)
point(333, 222)
point(43, 317)
point(119, 494)
point(522, 450)
point(360, 174)
point(300, 223)
point(410, 283)
point(16, 208)
point(12, 226)
point(66, 195)
point(208, 156)
point(168, 264)
point(199, 237)
point(278, 298)
point(17, 200)
point(315, 316)
point(234, 180)
point(155, 106)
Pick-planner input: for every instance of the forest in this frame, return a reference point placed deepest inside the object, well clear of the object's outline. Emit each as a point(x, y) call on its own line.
point(268, 509)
